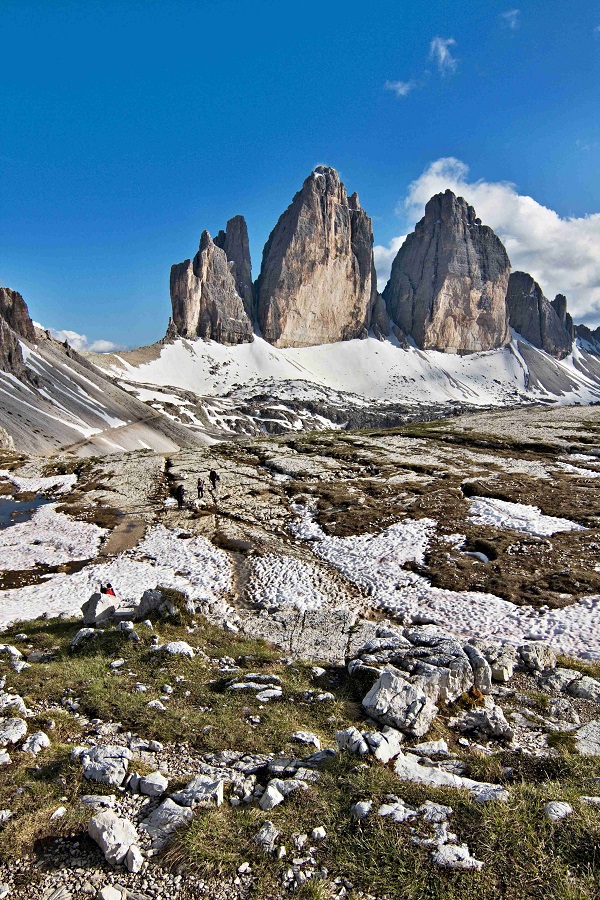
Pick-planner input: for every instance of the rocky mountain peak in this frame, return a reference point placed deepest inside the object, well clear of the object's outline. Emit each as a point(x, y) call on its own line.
point(317, 280)
point(540, 322)
point(448, 283)
point(234, 241)
point(13, 310)
point(205, 298)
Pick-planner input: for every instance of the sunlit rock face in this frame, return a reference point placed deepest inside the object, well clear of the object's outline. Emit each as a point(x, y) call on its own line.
point(234, 241)
point(13, 310)
point(317, 283)
point(448, 283)
point(205, 298)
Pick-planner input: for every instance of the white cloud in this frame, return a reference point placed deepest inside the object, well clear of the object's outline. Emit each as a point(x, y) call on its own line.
point(80, 342)
point(384, 257)
point(400, 88)
point(439, 51)
point(511, 18)
point(562, 254)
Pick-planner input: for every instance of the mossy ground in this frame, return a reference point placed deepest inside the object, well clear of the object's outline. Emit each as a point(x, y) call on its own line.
point(525, 857)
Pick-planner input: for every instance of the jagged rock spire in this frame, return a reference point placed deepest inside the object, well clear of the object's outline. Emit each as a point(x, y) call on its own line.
point(317, 281)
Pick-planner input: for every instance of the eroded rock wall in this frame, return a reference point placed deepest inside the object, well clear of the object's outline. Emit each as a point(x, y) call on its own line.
point(540, 322)
point(13, 310)
point(448, 283)
point(205, 298)
point(317, 281)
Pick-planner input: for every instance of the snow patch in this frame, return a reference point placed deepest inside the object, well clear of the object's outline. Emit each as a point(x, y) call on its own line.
point(518, 516)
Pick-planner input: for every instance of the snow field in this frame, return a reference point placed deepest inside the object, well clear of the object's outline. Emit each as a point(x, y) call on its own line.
point(376, 563)
point(195, 567)
point(518, 516)
point(48, 538)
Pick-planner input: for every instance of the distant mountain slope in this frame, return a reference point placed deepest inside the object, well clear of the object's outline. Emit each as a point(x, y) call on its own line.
point(64, 402)
point(257, 387)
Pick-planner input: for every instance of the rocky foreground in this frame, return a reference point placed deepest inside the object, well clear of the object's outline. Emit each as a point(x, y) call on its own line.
point(367, 665)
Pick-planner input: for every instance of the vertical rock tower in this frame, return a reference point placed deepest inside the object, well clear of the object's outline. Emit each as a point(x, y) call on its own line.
point(234, 241)
point(317, 283)
point(448, 283)
point(545, 325)
point(205, 298)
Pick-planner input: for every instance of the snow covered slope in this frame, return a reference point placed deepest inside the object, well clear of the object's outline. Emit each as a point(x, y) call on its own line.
point(67, 403)
point(183, 393)
point(351, 383)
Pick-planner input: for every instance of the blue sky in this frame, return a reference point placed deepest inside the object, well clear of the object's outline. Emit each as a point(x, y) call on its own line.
point(127, 128)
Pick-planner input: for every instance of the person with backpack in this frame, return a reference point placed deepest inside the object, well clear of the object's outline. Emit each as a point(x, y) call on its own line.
point(180, 496)
point(214, 479)
point(200, 488)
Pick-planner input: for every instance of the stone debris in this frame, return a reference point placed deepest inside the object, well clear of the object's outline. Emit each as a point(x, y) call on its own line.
point(383, 745)
point(84, 634)
point(178, 648)
point(394, 701)
point(306, 737)
point(451, 856)
point(106, 765)
point(489, 722)
point(13, 703)
point(202, 790)
point(557, 810)
point(408, 768)
point(164, 820)
point(267, 836)
point(585, 688)
point(588, 738)
point(536, 656)
point(153, 785)
point(361, 809)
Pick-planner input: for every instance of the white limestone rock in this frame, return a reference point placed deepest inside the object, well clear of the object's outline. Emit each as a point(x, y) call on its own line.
point(113, 834)
point(394, 701)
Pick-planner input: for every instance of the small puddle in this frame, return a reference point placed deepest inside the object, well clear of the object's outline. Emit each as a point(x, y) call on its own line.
point(13, 512)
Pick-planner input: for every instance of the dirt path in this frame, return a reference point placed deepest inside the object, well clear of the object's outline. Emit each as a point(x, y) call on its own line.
point(124, 536)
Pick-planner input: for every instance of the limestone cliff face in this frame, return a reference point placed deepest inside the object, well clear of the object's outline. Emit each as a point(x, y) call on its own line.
point(559, 305)
point(448, 283)
point(535, 318)
point(11, 357)
point(234, 241)
point(13, 310)
point(317, 281)
point(205, 298)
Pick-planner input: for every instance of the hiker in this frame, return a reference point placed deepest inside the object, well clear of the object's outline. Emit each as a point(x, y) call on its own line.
point(180, 495)
point(200, 488)
point(214, 479)
point(107, 589)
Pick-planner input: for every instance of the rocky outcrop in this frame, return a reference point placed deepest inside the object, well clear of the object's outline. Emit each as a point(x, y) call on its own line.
point(11, 357)
point(447, 287)
point(535, 318)
point(205, 298)
point(234, 241)
point(317, 282)
point(13, 310)
point(559, 304)
point(591, 337)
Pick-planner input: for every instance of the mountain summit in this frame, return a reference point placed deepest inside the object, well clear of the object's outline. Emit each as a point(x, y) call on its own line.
point(447, 288)
point(317, 281)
